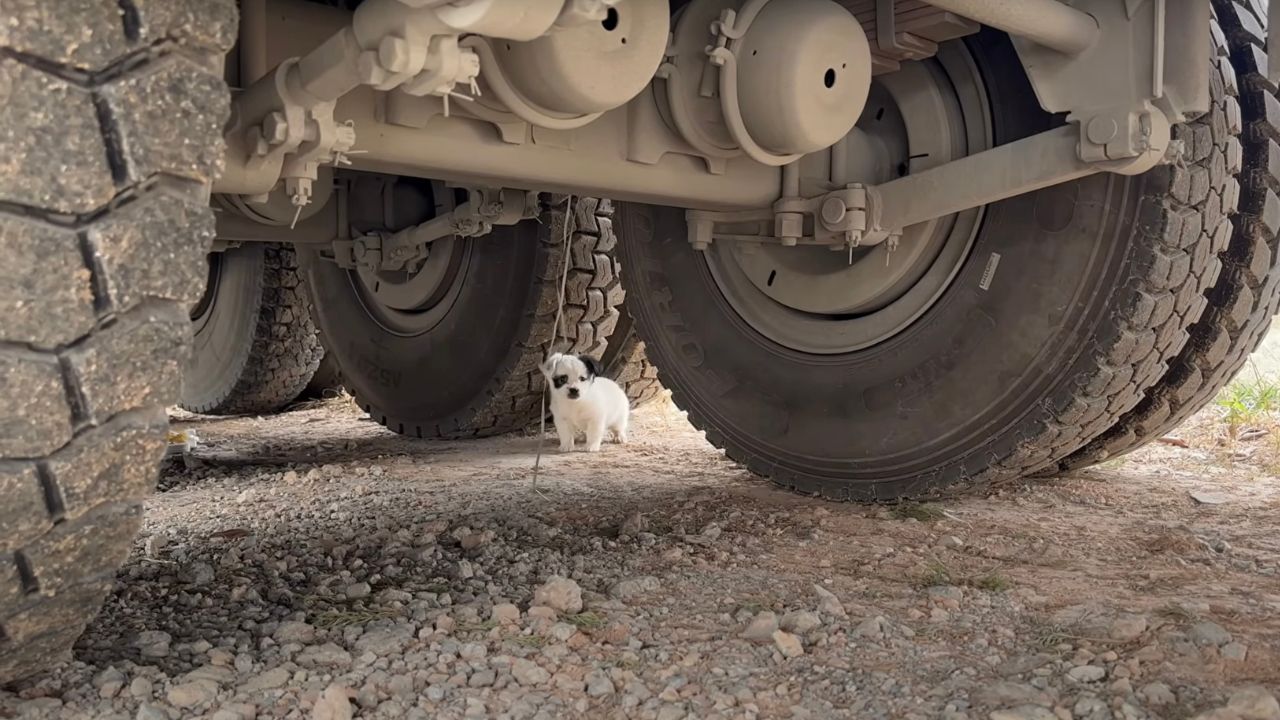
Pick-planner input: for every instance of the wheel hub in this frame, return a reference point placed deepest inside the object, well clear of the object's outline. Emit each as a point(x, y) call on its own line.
point(411, 301)
point(817, 300)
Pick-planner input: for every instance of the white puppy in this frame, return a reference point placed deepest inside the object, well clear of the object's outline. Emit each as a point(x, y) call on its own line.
point(582, 402)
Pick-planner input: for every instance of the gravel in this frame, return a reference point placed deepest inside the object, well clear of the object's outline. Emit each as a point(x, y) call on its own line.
point(388, 579)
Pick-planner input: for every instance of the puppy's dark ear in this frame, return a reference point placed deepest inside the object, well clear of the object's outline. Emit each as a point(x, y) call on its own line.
point(593, 369)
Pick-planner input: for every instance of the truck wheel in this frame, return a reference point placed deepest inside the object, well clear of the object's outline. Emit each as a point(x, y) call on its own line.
point(255, 346)
point(453, 351)
point(109, 142)
point(625, 361)
point(327, 380)
point(1243, 302)
point(986, 345)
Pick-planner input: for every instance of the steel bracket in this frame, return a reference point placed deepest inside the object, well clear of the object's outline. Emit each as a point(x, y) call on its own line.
point(407, 249)
point(1146, 71)
point(863, 215)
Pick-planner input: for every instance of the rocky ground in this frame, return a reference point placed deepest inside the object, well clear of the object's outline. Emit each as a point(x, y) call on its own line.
point(315, 566)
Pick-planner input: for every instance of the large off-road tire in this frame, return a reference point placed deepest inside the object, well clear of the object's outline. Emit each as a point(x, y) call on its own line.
point(111, 117)
point(255, 346)
point(625, 361)
point(1068, 302)
point(467, 366)
point(1242, 303)
point(327, 380)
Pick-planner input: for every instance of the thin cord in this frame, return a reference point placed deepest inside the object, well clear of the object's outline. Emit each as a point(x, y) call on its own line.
point(555, 334)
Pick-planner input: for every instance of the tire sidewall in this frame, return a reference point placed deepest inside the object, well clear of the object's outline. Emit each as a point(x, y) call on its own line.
point(416, 383)
point(935, 403)
point(223, 335)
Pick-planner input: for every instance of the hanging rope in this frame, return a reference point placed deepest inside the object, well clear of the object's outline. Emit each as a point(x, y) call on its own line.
point(555, 332)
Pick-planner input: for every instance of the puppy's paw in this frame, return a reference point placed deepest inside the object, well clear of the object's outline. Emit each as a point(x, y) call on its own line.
point(593, 448)
point(566, 447)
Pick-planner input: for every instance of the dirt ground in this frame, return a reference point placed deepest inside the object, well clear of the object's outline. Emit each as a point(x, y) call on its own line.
point(313, 565)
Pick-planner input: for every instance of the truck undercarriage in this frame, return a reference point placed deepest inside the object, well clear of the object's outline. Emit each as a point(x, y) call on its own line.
point(875, 249)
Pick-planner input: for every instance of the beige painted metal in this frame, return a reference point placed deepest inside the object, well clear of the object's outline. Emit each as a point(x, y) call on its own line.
point(1036, 162)
point(805, 71)
point(1047, 22)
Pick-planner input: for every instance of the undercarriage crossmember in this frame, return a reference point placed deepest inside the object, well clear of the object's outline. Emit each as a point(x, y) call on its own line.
point(744, 112)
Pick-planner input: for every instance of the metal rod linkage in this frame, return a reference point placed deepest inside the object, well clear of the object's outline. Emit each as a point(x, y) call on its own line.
point(1046, 22)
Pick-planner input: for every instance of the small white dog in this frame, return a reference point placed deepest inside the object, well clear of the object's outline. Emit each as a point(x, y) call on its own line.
point(584, 403)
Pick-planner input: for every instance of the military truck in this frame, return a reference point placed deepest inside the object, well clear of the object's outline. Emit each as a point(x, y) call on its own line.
point(875, 249)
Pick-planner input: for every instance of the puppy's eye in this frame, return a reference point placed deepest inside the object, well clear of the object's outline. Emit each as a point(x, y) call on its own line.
point(583, 379)
point(560, 380)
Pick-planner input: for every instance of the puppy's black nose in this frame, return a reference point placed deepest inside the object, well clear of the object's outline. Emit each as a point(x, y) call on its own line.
point(573, 393)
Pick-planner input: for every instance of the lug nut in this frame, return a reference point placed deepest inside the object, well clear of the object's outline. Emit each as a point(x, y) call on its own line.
point(275, 128)
point(370, 70)
point(394, 55)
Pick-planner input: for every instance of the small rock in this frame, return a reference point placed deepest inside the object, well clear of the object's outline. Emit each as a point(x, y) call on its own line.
point(560, 594)
point(475, 708)
point(634, 588)
point(1087, 673)
point(192, 694)
point(561, 632)
point(109, 683)
point(1024, 712)
point(141, 688)
point(633, 525)
point(200, 573)
point(482, 678)
point(505, 613)
point(1208, 634)
point(154, 546)
point(1011, 694)
point(787, 644)
point(384, 641)
point(528, 673)
point(1091, 707)
point(273, 678)
point(294, 632)
point(475, 541)
point(1156, 694)
point(801, 621)
point(1254, 703)
point(333, 704)
point(221, 656)
point(828, 603)
point(471, 652)
point(153, 643)
point(599, 684)
point(871, 628)
point(147, 711)
point(762, 627)
point(1235, 651)
point(355, 591)
point(1128, 627)
point(326, 655)
point(235, 711)
point(950, 541)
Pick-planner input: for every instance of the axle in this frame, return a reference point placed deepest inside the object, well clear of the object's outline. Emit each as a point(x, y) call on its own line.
point(722, 110)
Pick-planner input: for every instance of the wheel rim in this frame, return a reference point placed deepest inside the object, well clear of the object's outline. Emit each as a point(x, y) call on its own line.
point(412, 303)
point(817, 301)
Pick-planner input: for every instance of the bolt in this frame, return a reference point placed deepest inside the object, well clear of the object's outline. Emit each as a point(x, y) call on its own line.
point(275, 128)
point(1102, 130)
point(257, 144)
point(833, 211)
point(370, 69)
point(394, 54)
